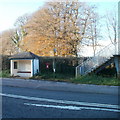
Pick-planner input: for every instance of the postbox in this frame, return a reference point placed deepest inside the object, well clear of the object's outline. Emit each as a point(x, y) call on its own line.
point(47, 65)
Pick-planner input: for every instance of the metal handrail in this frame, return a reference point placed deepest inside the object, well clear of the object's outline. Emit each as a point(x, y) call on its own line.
point(93, 62)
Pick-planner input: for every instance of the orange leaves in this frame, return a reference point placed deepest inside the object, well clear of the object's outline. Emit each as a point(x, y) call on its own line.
point(37, 44)
point(43, 46)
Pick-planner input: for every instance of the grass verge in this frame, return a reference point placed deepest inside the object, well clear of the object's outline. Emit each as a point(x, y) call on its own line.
point(88, 79)
point(97, 80)
point(54, 77)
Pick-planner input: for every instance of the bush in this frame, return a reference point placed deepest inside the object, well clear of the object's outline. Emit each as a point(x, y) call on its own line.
point(63, 65)
point(5, 73)
point(4, 62)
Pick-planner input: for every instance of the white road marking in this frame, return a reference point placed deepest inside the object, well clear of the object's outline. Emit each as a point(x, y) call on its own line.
point(71, 107)
point(54, 106)
point(60, 101)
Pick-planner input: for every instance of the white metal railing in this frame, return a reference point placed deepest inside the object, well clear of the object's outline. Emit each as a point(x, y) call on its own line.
point(93, 62)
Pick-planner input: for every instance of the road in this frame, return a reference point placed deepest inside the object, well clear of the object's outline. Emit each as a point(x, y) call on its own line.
point(38, 103)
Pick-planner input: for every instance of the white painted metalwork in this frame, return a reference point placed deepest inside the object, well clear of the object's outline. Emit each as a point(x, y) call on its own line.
point(93, 62)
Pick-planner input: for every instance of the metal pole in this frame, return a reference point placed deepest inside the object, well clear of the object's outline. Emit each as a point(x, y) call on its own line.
point(54, 65)
point(119, 28)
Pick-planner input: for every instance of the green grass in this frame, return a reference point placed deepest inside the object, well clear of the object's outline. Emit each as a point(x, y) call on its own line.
point(88, 79)
point(5, 73)
point(97, 80)
point(53, 77)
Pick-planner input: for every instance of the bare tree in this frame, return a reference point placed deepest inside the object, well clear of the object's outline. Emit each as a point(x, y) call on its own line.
point(95, 32)
point(90, 28)
point(19, 24)
point(112, 27)
point(20, 31)
point(16, 40)
point(7, 45)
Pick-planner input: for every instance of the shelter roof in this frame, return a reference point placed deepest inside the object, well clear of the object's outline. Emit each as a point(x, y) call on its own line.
point(24, 55)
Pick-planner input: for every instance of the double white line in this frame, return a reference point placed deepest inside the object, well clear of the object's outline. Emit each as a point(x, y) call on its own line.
point(71, 105)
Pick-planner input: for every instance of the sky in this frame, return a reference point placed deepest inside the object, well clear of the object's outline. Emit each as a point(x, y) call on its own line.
point(10, 10)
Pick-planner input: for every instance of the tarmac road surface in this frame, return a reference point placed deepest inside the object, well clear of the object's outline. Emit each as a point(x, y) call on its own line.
point(24, 102)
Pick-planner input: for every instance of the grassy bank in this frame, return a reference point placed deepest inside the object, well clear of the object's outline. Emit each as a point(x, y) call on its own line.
point(88, 79)
point(54, 77)
point(97, 80)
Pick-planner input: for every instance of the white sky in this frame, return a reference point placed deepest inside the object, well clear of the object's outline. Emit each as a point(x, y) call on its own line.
point(10, 10)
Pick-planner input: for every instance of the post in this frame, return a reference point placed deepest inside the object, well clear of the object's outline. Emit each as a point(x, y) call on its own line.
point(117, 64)
point(119, 28)
point(32, 71)
point(54, 65)
point(76, 72)
point(11, 67)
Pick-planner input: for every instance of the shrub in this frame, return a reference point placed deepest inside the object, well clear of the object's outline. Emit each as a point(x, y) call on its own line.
point(4, 62)
point(5, 73)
